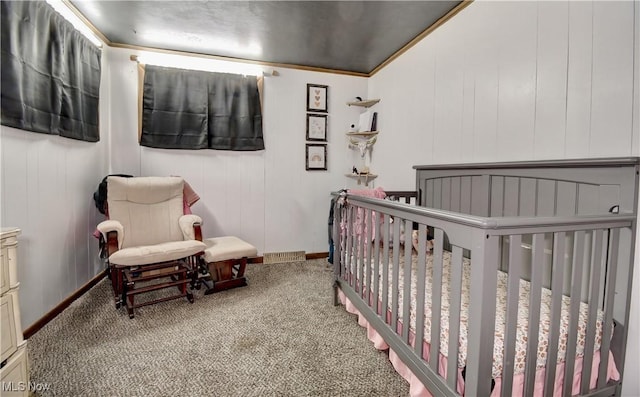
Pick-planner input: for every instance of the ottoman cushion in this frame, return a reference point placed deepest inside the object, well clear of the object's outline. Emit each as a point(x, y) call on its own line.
point(228, 247)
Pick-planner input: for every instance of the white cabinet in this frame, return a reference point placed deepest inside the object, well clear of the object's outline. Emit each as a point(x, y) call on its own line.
point(14, 373)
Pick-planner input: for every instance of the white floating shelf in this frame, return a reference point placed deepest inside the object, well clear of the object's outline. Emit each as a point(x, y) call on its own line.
point(363, 133)
point(366, 178)
point(364, 103)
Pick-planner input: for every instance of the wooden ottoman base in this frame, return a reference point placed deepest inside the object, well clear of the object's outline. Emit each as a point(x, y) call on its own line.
point(226, 260)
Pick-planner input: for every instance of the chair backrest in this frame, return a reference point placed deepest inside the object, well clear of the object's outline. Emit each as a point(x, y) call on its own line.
point(147, 207)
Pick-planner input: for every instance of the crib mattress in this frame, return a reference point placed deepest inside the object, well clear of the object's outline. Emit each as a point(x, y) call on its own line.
point(501, 301)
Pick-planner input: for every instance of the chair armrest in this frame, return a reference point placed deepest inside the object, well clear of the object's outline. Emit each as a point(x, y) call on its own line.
point(190, 226)
point(111, 226)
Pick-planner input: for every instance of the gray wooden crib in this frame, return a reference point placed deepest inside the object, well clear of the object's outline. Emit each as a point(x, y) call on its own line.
point(526, 287)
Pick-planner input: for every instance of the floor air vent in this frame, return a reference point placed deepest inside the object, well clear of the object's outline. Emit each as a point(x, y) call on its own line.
point(282, 257)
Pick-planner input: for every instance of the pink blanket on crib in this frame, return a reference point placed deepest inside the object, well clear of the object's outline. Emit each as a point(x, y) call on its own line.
point(375, 193)
point(362, 220)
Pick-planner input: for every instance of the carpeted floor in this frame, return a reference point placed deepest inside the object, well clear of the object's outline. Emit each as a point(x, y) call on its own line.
point(279, 336)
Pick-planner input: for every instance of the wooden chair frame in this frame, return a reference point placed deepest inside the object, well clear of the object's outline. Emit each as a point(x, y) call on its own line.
point(125, 279)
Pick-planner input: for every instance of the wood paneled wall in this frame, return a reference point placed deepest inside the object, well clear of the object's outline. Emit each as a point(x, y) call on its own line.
point(511, 81)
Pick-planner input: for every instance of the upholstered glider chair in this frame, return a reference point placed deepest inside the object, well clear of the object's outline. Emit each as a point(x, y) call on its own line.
point(151, 244)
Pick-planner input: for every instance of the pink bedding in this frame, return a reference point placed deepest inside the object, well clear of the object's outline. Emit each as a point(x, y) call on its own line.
point(522, 331)
point(417, 389)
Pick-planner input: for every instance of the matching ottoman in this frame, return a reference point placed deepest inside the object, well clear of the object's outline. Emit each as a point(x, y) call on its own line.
point(226, 259)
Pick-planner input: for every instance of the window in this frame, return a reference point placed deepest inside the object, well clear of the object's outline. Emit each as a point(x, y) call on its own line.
point(50, 73)
point(190, 109)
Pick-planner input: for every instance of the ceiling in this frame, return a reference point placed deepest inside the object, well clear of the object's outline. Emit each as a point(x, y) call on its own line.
point(344, 36)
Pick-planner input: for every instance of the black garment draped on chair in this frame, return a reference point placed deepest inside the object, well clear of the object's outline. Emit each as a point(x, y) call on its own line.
point(189, 109)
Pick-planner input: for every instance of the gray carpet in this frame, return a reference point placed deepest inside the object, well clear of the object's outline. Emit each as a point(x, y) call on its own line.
point(279, 336)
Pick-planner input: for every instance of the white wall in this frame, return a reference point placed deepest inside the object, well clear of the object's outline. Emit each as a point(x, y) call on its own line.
point(510, 81)
point(516, 81)
point(265, 197)
point(47, 191)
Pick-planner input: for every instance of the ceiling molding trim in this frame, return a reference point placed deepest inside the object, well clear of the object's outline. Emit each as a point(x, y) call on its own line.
point(240, 60)
point(418, 38)
point(95, 31)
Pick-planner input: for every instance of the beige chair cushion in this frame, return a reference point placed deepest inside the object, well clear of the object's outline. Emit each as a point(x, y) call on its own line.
point(147, 254)
point(148, 209)
point(228, 247)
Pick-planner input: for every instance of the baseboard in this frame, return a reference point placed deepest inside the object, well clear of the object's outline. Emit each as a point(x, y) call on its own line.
point(44, 320)
point(317, 255)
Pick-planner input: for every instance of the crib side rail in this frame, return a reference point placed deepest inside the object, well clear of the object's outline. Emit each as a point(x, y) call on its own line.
point(369, 249)
point(403, 196)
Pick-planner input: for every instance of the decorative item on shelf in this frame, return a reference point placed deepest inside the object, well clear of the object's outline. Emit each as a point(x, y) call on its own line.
point(362, 177)
point(352, 128)
point(363, 102)
point(362, 144)
point(364, 123)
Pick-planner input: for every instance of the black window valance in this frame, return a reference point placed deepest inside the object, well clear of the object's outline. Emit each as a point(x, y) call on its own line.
point(190, 109)
point(50, 73)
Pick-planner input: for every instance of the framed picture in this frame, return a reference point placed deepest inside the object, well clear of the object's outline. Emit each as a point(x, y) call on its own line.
point(316, 127)
point(316, 157)
point(317, 98)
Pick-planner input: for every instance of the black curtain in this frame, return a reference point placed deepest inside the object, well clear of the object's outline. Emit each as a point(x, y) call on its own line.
point(50, 73)
point(188, 109)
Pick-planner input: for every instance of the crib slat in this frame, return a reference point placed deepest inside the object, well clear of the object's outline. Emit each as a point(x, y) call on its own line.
point(454, 315)
point(465, 194)
point(445, 194)
point(338, 261)
point(420, 288)
point(513, 295)
point(596, 268)
point(482, 313)
point(376, 264)
point(360, 239)
point(428, 196)
point(608, 306)
point(574, 310)
point(337, 238)
point(436, 297)
point(537, 267)
point(437, 193)
point(354, 248)
point(556, 306)
point(497, 195)
point(367, 234)
point(356, 251)
point(395, 274)
point(385, 269)
point(349, 247)
point(455, 194)
point(406, 296)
